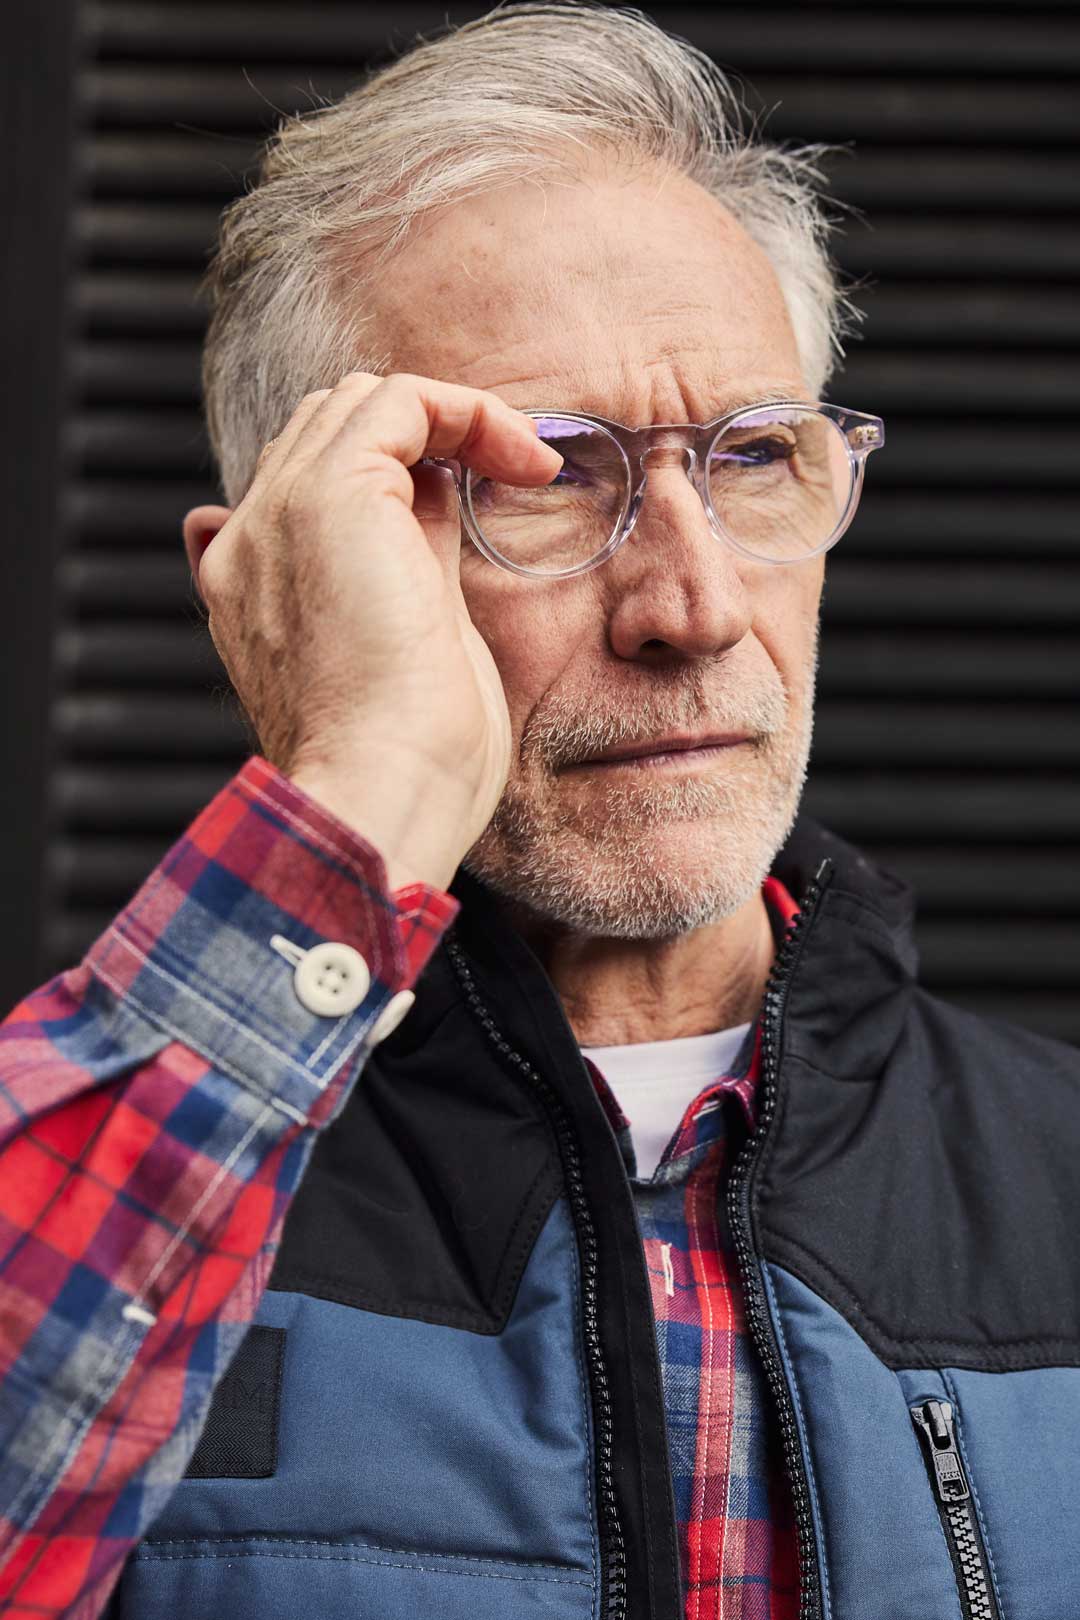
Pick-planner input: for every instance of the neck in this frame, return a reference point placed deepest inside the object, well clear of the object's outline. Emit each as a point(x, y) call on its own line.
point(617, 992)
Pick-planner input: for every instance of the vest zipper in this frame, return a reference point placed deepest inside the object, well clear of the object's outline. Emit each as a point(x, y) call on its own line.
point(937, 1430)
point(758, 1319)
point(613, 1590)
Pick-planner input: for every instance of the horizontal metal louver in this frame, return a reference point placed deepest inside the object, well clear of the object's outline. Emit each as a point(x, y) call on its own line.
point(947, 740)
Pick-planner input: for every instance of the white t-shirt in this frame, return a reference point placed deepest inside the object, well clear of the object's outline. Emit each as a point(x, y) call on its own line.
point(654, 1081)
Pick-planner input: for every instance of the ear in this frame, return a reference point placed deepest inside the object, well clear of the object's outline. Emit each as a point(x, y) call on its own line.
point(200, 526)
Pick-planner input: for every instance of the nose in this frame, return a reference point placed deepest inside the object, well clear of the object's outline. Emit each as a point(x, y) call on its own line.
point(675, 590)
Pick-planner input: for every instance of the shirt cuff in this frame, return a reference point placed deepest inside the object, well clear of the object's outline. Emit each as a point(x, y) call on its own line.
point(267, 915)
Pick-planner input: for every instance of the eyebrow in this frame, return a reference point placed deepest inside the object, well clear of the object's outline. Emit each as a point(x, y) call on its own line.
point(734, 402)
point(766, 396)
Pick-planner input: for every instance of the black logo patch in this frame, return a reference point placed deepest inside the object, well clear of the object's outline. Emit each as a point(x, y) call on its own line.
point(239, 1438)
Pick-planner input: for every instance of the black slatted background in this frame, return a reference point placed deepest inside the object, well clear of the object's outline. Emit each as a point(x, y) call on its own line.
point(948, 732)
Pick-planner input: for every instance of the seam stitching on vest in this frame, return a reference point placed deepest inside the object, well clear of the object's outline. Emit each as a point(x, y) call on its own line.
point(383, 1563)
point(520, 1256)
point(909, 1346)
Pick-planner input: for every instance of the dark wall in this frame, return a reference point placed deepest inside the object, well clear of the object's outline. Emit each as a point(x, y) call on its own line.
point(948, 732)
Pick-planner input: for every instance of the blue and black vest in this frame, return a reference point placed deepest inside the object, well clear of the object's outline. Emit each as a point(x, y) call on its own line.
point(450, 1405)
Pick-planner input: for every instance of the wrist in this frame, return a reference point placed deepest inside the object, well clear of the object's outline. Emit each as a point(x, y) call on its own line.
point(407, 820)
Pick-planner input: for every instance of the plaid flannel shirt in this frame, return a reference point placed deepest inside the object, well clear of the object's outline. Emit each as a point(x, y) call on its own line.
point(158, 1107)
point(737, 1539)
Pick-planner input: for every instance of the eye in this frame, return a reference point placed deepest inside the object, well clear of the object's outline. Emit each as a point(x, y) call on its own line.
point(758, 452)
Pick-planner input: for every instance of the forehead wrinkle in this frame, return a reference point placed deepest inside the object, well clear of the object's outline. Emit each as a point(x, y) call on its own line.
point(637, 377)
point(673, 366)
point(673, 381)
point(679, 401)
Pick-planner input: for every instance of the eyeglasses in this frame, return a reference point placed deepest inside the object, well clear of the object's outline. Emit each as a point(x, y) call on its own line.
point(779, 482)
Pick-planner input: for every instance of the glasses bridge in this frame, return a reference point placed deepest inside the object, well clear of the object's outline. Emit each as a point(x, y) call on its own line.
point(669, 455)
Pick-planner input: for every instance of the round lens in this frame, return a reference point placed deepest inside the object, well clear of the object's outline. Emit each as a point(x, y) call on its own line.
point(555, 528)
point(780, 480)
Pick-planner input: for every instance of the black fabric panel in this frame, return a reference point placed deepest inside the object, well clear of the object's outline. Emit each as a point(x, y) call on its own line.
point(386, 1219)
point(240, 1435)
point(923, 1173)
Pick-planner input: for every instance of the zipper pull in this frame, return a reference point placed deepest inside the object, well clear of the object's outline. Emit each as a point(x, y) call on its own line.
point(934, 1419)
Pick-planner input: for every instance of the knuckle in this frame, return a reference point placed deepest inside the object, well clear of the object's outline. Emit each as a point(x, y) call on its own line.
point(357, 379)
point(385, 475)
point(377, 473)
point(212, 577)
point(400, 382)
point(310, 404)
point(474, 427)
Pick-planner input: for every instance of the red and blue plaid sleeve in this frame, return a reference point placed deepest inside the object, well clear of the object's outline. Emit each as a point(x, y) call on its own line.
point(158, 1107)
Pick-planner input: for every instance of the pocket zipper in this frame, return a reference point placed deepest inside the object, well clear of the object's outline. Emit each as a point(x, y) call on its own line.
point(934, 1422)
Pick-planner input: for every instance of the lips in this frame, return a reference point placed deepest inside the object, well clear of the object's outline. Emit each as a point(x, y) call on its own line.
point(666, 745)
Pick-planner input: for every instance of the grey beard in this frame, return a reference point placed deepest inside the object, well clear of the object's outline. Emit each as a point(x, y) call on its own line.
point(612, 877)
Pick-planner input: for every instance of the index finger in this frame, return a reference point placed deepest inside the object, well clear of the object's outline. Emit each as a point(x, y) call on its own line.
point(409, 417)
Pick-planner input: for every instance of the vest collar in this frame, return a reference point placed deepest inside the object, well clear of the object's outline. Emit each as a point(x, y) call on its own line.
point(855, 974)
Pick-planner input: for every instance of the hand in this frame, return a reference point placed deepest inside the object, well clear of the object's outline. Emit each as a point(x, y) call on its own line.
point(336, 607)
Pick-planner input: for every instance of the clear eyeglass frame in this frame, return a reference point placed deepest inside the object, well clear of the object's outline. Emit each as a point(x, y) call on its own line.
point(862, 434)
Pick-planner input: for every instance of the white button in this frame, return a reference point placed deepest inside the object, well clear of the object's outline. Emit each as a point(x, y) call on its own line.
point(391, 1016)
point(332, 979)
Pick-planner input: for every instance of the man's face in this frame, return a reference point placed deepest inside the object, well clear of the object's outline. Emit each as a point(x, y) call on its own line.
point(637, 297)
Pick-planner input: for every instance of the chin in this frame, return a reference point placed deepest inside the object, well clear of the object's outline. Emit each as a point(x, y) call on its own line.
point(657, 880)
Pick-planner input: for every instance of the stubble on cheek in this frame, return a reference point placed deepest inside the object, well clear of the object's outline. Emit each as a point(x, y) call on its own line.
point(634, 869)
point(640, 855)
point(626, 804)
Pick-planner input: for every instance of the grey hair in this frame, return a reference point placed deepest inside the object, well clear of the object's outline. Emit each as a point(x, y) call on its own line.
point(482, 106)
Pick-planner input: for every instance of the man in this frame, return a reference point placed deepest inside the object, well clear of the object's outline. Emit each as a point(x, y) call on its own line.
point(501, 1161)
